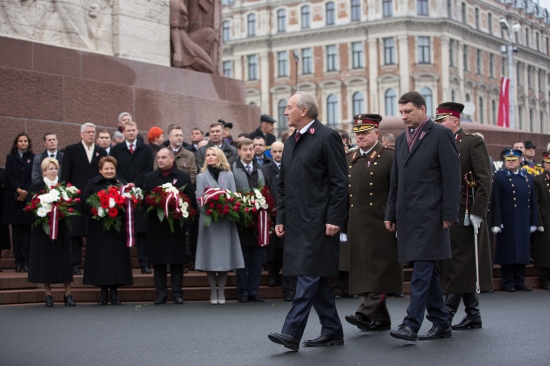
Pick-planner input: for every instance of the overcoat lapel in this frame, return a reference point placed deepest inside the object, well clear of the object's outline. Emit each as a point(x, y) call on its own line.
point(425, 131)
point(95, 155)
point(82, 153)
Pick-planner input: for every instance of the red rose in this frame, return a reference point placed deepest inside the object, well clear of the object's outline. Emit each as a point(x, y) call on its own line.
point(78, 192)
point(70, 200)
point(246, 210)
point(238, 203)
point(77, 200)
point(71, 210)
point(232, 199)
point(69, 184)
point(211, 205)
point(219, 206)
point(254, 209)
point(27, 208)
point(236, 208)
point(209, 212)
point(113, 212)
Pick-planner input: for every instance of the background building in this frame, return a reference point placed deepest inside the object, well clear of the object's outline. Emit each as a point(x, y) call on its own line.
point(359, 56)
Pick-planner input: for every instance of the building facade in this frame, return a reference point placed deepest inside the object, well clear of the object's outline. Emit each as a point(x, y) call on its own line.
point(359, 56)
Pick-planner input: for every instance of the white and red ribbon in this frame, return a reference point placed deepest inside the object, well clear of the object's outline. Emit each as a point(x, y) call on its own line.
point(54, 222)
point(263, 228)
point(209, 195)
point(171, 196)
point(129, 218)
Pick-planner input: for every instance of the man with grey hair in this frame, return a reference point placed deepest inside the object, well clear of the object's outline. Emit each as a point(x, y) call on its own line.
point(124, 118)
point(388, 140)
point(311, 209)
point(117, 138)
point(80, 164)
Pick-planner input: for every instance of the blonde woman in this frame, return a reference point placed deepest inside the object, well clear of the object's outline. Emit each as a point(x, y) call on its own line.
point(218, 247)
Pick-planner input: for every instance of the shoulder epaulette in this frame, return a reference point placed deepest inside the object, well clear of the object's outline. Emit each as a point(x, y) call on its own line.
point(392, 148)
point(351, 150)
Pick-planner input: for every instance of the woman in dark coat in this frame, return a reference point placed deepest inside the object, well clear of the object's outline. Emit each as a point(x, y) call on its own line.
point(50, 260)
point(5, 241)
point(107, 256)
point(18, 179)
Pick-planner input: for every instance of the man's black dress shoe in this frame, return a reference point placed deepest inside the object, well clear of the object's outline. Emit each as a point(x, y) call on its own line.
point(25, 268)
point(18, 268)
point(469, 322)
point(523, 287)
point(145, 269)
point(178, 300)
point(255, 298)
point(487, 291)
point(405, 333)
point(285, 339)
point(359, 320)
point(160, 300)
point(243, 299)
point(399, 295)
point(287, 299)
point(49, 301)
point(325, 340)
point(547, 287)
point(510, 289)
point(377, 326)
point(436, 333)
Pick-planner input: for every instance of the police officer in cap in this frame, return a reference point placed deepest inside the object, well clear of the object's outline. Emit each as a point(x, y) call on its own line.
point(265, 130)
point(542, 236)
point(458, 274)
point(374, 267)
point(515, 217)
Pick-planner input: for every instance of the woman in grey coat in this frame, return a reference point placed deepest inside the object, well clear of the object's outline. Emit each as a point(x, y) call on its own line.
point(218, 246)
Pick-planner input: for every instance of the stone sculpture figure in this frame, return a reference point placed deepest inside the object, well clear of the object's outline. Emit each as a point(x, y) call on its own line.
point(204, 26)
point(12, 19)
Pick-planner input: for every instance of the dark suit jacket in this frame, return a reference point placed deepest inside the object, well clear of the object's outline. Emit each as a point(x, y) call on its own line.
point(424, 192)
point(18, 175)
point(133, 167)
point(38, 159)
point(271, 169)
point(313, 189)
point(270, 138)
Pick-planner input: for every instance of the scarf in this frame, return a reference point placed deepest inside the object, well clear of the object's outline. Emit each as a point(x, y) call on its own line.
point(167, 171)
point(50, 183)
point(412, 137)
point(214, 172)
point(21, 153)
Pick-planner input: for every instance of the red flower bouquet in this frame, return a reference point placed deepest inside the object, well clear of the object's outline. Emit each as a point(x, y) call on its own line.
point(170, 203)
point(217, 202)
point(259, 208)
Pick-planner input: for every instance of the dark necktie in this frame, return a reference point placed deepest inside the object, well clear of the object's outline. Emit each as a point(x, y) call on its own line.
point(297, 136)
point(52, 155)
point(131, 148)
point(248, 169)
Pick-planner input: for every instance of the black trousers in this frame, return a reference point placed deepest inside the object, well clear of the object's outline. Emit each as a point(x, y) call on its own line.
point(374, 307)
point(249, 277)
point(21, 239)
point(176, 280)
point(512, 274)
point(340, 284)
point(76, 250)
point(289, 286)
point(141, 243)
point(313, 291)
point(193, 229)
point(426, 294)
point(274, 267)
point(544, 276)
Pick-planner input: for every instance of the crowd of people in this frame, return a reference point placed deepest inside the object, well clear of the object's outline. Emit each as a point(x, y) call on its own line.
point(434, 175)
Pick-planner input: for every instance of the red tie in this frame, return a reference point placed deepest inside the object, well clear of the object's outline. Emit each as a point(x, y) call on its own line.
point(131, 148)
point(297, 136)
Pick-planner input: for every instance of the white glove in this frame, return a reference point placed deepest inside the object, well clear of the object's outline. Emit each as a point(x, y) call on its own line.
point(496, 230)
point(532, 229)
point(343, 237)
point(476, 222)
point(540, 229)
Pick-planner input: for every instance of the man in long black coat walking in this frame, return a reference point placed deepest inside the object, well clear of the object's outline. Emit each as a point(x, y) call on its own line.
point(422, 205)
point(135, 161)
point(312, 202)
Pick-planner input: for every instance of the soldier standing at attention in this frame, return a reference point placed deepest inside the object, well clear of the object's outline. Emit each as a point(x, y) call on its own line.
point(374, 268)
point(458, 274)
point(542, 236)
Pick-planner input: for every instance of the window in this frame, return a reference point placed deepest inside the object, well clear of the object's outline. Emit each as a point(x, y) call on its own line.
point(537, 41)
point(422, 7)
point(477, 17)
point(389, 102)
point(423, 50)
point(529, 77)
point(541, 80)
point(490, 23)
point(307, 61)
point(541, 122)
point(281, 20)
point(357, 54)
point(228, 2)
point(282, 63)
point(493, 112)
point(226, 33)
point(491, 65)
point(358, 103)
point(332, 110)
point(452, 52)
point(355, 10)
point(427, 94)
point(518, 73)
point(251, 24)
point(252, 67)
point(465, 56)
point(331, 58)
point(481, 116)
point(531, 120)
point(387, 8)
point(449, 8)
point(305, 17)
point(389, 51)
point(329, 13)
point(479, 67)
point(527, 37)
point(520, 115)
point(464, 20)
point(282, 124)
point(228, 69)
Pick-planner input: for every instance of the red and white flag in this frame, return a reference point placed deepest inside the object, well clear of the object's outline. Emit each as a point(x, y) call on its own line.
point(504, 103)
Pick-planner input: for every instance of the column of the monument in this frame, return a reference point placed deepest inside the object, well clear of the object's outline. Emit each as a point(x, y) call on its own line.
point(404, 64)
point(264, 82)
point(373, 75)
point(445, 72)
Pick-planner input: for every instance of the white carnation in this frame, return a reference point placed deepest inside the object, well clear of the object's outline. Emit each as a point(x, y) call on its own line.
point(112, 202)
point(185, 214)
point(101, 212)
point(185, 205)
point(42, 212)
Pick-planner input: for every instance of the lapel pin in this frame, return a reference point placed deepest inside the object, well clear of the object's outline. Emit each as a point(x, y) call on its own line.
point(96, 154)
point(422, 134)
point(28, 161)
point(312, 130)
point(174, 181)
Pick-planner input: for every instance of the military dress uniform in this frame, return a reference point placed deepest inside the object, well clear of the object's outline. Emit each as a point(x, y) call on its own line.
point(373, 266)
point(515, 217)
point(458, 274)
point(542, 236)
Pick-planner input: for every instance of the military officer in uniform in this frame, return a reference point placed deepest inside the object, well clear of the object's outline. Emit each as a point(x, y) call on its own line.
point(374, 268)
point(542, 236)
point(458, 274)
point(515, 217)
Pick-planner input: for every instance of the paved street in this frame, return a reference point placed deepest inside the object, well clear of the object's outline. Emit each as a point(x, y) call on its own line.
point(515, 331)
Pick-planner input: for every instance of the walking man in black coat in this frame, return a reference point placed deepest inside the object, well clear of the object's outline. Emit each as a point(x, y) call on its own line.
point(80, 164)
point(135, 161)
point(50, 142)
point(166, 247)
point(423, 204)
point(311, 206)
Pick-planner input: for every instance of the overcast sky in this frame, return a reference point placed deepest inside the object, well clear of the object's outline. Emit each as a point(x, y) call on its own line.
point(545, 4)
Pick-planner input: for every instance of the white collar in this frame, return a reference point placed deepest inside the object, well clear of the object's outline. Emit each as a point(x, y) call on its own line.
point(133, 144)
point(245, 165)
point(278, 164)
point(366, 152)
point(50, 153)
point(304, 129)
point(86, 146)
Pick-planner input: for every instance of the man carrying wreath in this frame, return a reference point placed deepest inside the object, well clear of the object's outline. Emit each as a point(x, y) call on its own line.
point(167, 246)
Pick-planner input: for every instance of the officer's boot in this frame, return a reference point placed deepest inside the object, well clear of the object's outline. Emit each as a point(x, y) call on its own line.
point(451, 303)
point(472, 320)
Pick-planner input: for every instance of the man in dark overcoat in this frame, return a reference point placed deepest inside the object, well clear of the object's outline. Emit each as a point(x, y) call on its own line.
point(249, 175)
point(80, 164)
point(542, 236)
point(165, 247)
point(515, 218)
point(311, 210)
point(50, 142)
point(458, 274)
point(265, 130)
point(422, 205)
point(374, 269)
point(135, 161)
point(217, 140)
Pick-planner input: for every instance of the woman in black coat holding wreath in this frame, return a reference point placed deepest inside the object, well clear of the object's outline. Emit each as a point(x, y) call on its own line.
point(50, 260)
point(108, 262)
